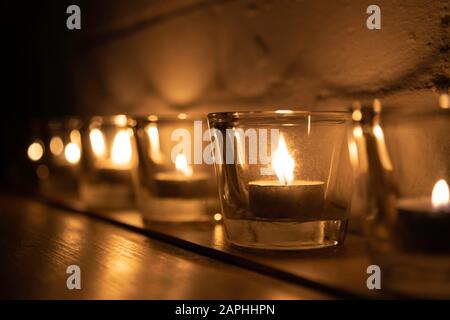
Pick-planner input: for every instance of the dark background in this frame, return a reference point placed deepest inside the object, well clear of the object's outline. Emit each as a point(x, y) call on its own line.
point(35, 50)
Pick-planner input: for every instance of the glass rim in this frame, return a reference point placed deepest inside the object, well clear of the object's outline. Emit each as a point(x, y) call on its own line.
point(171, 117)
point(279, 114)
point(119, 120)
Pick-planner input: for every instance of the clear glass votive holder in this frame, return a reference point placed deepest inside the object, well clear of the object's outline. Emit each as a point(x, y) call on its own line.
point(57, 154)
point(172, 181)
point(403, 155)
point(278, 175)
point(105, 181)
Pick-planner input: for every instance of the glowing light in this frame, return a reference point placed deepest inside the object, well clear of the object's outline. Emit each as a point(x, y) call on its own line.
point(153, 136)
point(97, 142)
point(120, 120)
point(382, 148)
point(309, 124)
point(282, 163)
point(72, 153)
point(56, 145)
point(121, 148)
point(353, 150)
point(378, 132)
point(440, 195)
point(182, 116)
point(444, 101)
point(357, 115)
point(75, 136)
point(284, 111)
point(357, 132)
point(377, 105)
point(217, 216)
point(35, 151)
point(183, 166)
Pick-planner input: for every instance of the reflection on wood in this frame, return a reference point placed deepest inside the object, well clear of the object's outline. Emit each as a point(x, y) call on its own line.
point(39, 242)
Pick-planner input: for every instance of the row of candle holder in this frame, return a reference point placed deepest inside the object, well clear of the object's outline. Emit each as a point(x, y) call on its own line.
point(164, 166)
point(117, 162)
point(283, 179)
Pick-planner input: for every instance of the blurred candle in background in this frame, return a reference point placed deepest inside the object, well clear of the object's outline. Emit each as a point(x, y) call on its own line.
point(169, 186)
point(58, 156)
point(106, 178)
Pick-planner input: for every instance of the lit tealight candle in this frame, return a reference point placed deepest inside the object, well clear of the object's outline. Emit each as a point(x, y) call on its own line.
point(72, 153)
point(424, 223)
point(286, 198)
point(109, 185)
point(35, 151)
point(182, 183)
point(120, 156)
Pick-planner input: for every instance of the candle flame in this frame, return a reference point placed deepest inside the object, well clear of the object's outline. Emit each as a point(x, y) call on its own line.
point(120, 120)
point(183, 166)
point(444, 101)
point(282, 163)
point(56, 145)
point(155, 151)
point(121, 148)
point(35, 151)
point(72, 153)
point(440, 196)
point(97, 142)
point(75, 136)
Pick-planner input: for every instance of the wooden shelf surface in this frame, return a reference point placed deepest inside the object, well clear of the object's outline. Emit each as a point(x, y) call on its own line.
point(338, 272)
point(39, 241)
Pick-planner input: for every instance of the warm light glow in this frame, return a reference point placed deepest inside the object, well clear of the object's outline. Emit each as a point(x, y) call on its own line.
point(382, 148)
point(282, 163)
point(182, 116)
point(56, 145)
point(440, 195)
point(309, 125)
point(378, 132)
point(121, 148)
point(120, 120)
point(353, 150)
point(444, 101)
point(357, 115)
point(183, 166)
point(357, 132)
point(217, 216)
point(72, 153)
point(75, 136)
point(377, 105)
point(284, 111)
point(153, 136)
point(35, 151)
point(97, 142)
